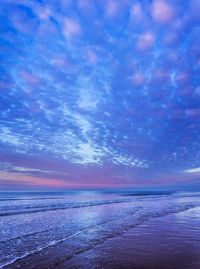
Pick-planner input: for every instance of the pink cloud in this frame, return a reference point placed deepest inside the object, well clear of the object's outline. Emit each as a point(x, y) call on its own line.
point(28, 180)
point(91, 56)
point(183, 77)
point(145, 41)
point(161, 75)
point(138, 79)
point(112, 8)
point(64, 63)
point(194, 112)
point(136, 12)
point(71, 27)
point(31, 79)
point(162, 11)
point(43, 12)
point(61, 62)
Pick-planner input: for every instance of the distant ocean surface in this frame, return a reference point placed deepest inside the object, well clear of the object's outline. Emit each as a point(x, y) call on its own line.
point(100, 230)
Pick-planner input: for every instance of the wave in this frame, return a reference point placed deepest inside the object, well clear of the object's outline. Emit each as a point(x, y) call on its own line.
point(36, 209)
point(30, 199)
point(56, 242)
point(154, 193)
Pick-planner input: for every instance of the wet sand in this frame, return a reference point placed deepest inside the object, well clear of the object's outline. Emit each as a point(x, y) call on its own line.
point(167, 242)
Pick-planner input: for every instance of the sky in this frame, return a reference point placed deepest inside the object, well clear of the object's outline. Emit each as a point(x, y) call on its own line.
point(99, 94)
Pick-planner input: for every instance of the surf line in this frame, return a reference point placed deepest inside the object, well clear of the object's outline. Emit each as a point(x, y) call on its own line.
point(56, 242)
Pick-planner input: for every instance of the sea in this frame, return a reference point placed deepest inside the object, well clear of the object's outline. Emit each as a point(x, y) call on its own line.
point(100, 229)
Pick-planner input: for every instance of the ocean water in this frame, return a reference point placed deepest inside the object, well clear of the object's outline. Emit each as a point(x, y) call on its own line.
point(100, 230)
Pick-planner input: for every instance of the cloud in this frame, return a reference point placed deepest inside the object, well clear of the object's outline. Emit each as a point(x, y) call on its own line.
point(112, 8)
point(71, 27)
point(137, 12)
point(163, 11)
point(31, 79)
point(145, 41)
point(106, 89)
point(193, 170)
point(27, 180)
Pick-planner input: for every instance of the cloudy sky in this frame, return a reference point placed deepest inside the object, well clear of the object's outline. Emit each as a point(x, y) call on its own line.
point(99, 94)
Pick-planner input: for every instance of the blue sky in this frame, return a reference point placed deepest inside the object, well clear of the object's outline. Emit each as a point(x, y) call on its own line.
point(99, 94)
